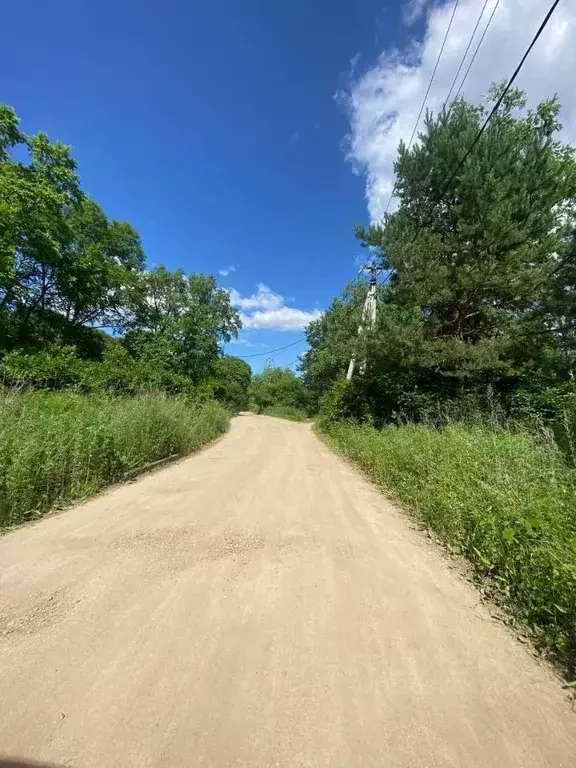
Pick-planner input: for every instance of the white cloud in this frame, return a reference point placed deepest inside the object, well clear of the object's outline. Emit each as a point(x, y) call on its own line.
point(225, 271)
point(264, 298)
point(243, 340)
point(384, 101)
point(284, 319)
point(413, 10)
point(266, 309)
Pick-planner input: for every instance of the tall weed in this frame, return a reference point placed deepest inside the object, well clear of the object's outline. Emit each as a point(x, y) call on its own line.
point(58, 447)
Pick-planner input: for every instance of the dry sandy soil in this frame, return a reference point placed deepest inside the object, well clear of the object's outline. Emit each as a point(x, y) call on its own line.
point(261, 605)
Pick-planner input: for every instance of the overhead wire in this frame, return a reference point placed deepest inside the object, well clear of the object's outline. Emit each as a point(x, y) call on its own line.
point(463, 59)
point(491, 115)
point(286, 346)
point(427, 93)
point(433, 73)
point(477, 138)
point(481, 131)
point(271, 351)
point(472, 60)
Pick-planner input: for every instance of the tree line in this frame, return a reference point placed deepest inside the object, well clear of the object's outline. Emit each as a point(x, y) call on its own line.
point(477, 309)
point(78, 305)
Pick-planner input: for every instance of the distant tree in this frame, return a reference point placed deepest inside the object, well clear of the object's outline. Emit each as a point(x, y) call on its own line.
point(278, 387)
point(231, 382)
point(186, 315)
point(331, 340)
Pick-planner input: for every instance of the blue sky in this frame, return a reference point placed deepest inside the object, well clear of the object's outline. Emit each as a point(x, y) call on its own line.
point(214, 129)
point(210, 126)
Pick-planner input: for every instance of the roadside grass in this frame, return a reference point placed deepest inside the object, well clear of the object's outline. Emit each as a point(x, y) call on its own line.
point(505, 500)
point(60, 447)
point(286, 412)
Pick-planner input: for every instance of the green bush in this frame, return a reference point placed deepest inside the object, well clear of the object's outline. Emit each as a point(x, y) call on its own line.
point(231, 380)
point(339, 403)
point(277, 387)
point(286, 412)
point(58, 447)
point(554, 407)
point(54, 367)
point(60, 368)
point(507, 501)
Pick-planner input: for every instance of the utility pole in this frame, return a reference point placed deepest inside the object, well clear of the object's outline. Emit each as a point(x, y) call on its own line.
point(369, 311)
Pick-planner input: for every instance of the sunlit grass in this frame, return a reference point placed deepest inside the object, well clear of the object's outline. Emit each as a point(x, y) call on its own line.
point(58, 447)
point(286, 412)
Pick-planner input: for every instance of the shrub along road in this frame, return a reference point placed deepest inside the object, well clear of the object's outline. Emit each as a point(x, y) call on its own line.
point(261, 605)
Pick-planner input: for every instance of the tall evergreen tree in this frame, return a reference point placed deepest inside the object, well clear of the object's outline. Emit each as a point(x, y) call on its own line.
point(475, 297)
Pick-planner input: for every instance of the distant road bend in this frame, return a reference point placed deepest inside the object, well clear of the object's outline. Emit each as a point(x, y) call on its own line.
point(259, 604)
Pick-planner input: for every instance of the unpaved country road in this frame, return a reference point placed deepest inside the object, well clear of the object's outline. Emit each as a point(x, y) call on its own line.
point(259, 605)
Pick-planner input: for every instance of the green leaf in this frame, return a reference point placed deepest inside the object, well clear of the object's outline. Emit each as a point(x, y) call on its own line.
point(508, 535)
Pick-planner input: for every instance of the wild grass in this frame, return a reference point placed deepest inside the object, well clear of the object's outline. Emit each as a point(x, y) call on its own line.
point(505, 500)
point(286, 412)
point(59, 447)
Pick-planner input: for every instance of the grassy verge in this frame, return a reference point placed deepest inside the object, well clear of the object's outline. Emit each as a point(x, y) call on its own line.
point(506, 501)
point(286, 412)
point(56, 448)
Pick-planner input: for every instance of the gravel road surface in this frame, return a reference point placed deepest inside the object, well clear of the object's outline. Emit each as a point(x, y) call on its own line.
point(259, 604)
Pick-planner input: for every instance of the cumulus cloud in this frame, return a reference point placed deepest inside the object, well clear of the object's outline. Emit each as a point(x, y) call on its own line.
point(225, 271)
point(266, 309)
point(283, 319)
point(264, 298)
point(383, 102)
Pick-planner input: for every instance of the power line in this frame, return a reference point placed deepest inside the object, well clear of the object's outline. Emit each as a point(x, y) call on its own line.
point(287, 346)
point(271, 351)
point(433, 73)
point(492, 112)
point(298, 341)
point(475, 53)
point(427, 92)
point(466, 53)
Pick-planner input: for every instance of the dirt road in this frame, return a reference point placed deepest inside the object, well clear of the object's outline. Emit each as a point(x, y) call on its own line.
point(259, 605)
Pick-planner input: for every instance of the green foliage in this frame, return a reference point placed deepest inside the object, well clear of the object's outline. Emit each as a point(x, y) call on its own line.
point(339, 403)
point(476, 329)
point(277, 387)
point(61, 259)
point(231, 381)
point(475, 301)
point(66, 270)
point(54, 367)
point(188, 315)
point(503, 499)
point(60, 367)
point(286, 412)
point(554, 407)
point(56, 448)
point(99, 278)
